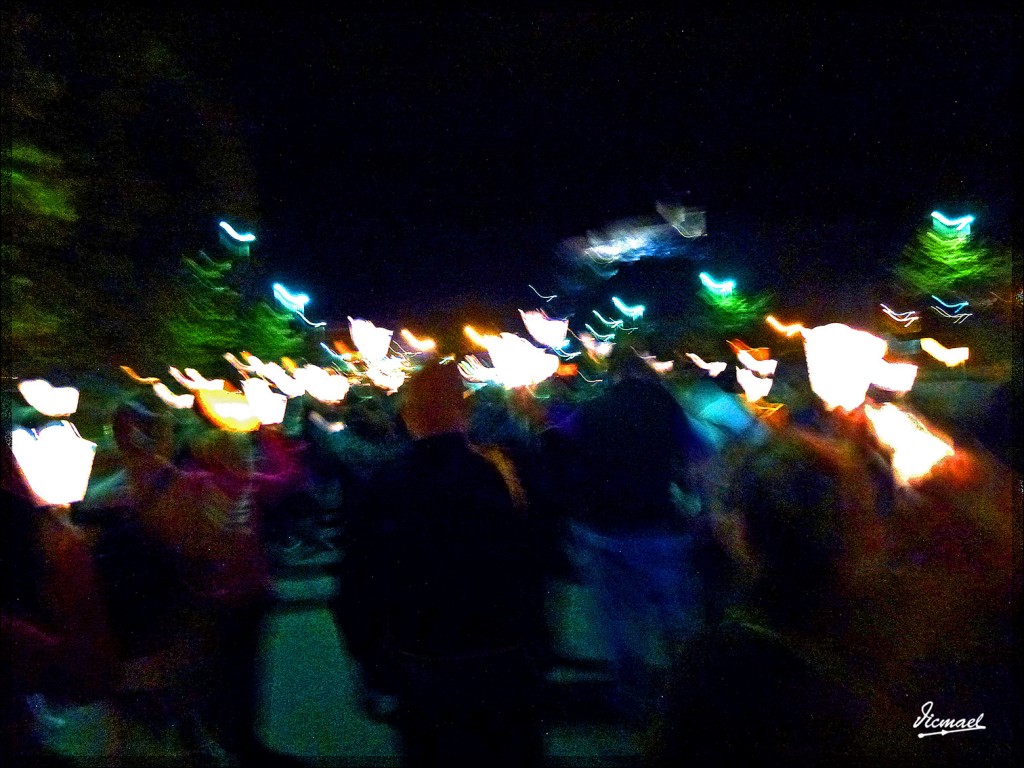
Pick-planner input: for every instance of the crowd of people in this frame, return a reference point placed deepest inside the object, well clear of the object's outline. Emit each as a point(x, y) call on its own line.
point(765, 588)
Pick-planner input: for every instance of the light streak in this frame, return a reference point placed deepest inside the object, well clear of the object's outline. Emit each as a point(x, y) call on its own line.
point(590, 381)
point(475, 337)
point(420, 345)
point(954, 307)
point(181, 402)
point(130, 372)
point(713, 369)
point(841, 363)
point(296, 302)
point(55, 461)
point(246, 238)
point(951, 357)
point(48, 399)
point(916, 450)
point(550, 333)
point(633, 313)
point(957, 319)
point(230, 411)
point(906, 318)
point(957, 224)
point(194, 380)
point(599, 336)
point(541, 295)
point(723, 288)
point(329, 426)
point(609, 323)
point(238, 364)
point(788, 330)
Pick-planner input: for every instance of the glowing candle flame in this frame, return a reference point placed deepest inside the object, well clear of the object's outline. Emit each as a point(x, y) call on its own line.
point(195, 381)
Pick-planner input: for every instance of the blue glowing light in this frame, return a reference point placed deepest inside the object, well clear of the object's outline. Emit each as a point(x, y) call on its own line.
point(246, 238)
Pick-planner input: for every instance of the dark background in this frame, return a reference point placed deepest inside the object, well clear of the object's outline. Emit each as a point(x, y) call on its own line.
point(405, 164)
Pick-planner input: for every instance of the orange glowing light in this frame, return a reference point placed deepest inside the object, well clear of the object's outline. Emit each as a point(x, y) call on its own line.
point(789, 330)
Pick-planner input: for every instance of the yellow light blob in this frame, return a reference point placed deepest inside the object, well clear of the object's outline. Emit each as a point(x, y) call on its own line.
point(420, 345)
point(230, 411)
point(916, 450)
point(951, 357)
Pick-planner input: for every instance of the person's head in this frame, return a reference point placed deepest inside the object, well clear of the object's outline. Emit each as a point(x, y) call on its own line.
point(222, 451)
point(803, 512)
point(625, 363)
point(434, 402)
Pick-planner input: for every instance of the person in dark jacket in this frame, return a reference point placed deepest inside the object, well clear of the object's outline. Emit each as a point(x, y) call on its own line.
point(632, 545)
point(438, 572)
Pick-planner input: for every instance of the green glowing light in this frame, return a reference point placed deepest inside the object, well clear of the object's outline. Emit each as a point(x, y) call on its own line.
point(721, 288)
point(633, 313)
point(246, 238)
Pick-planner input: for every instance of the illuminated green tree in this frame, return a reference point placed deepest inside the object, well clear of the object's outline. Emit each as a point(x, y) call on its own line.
point(201, 315)
point(733, 312)
point(270, 334)
point(937, 263)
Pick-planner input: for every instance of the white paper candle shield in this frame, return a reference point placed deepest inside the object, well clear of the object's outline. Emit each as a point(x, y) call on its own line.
point(915, 449)
point(56, 462)
point(268, 406)
point(372, 342)
point(47, 399)
point(841, 363)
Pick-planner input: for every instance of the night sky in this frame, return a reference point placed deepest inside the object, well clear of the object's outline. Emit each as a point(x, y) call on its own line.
point(405, 162)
